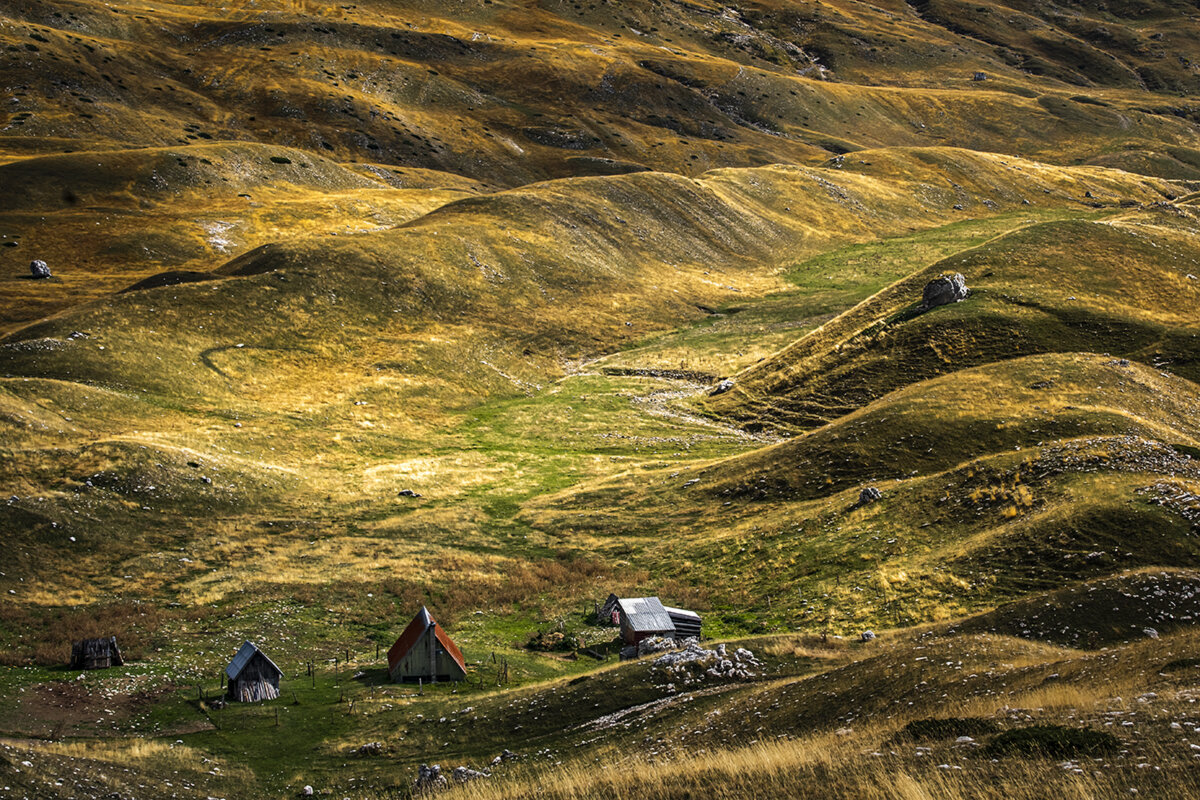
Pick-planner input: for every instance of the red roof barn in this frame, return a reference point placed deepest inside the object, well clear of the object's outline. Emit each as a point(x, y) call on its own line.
point(424, 651)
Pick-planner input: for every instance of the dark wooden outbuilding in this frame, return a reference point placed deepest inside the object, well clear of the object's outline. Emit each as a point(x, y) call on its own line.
point(687, 623)
point(252, 676)
point(96, 654)
point(606, 615)
point(425, 652)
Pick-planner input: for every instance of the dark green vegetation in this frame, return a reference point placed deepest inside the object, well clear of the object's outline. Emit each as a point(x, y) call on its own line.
point(500, 307)
point(1053, 741)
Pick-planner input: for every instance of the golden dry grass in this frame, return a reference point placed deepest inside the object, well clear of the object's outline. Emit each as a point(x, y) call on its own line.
point(420, 224)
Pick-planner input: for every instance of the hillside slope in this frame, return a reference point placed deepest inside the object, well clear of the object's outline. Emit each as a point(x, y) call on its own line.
point(499, 307)
point(1121, 286)
point(1022, 474)
point(513, 92)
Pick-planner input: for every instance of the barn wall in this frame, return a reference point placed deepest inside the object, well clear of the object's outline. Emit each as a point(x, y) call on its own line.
point(95, 654)
point(448, 668)
point(258, 680)
point(416, 663)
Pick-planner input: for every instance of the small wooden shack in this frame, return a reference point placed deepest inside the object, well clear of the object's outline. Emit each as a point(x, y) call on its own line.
point(96, 654)
point(252, 676)
point(608, 613)
point(425, 652)
point(643, 617)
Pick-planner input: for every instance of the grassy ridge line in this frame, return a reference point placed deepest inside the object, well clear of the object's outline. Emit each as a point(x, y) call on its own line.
point(499, 269)
point(121, 216)
point(841, 733)
point(740, 334)
point(997, 480)
point(143, 177)
point(435, 88)
point(938, 424)
point(1052, 286)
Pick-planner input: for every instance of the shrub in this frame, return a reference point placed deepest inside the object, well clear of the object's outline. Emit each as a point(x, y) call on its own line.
point(549, 642)
point(948, 728)
point(1056, 741)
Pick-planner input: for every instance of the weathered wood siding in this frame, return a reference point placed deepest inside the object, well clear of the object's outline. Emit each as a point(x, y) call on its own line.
point(258, 680)
point(96, 654)
point(427, 660)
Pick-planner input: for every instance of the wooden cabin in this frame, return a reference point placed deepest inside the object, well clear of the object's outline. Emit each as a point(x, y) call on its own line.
point(96, 654)
point(252, 676)
point(425, 652)
point(643, 617)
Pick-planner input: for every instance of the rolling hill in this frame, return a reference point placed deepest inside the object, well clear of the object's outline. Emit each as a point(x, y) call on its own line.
point(499, 306)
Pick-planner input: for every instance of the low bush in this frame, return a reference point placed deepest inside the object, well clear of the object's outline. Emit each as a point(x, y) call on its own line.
point(1056, 741)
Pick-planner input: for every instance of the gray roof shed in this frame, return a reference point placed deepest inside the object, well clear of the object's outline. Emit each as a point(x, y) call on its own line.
point(243, 657)
point(645, 615)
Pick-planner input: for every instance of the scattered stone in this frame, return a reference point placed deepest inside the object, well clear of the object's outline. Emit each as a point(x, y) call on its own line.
point(39, 269)
point(369, 749)
point(1174, 496)
point(722, 387)
point(867, 636)
point(507, 755)
point(35, 345)
point(430, 778)
point(943, 290)
point(408, 493)
point(694, 663)
point(466, 775)
point(869, 494)
point(660, 644)
point(1151, 632)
